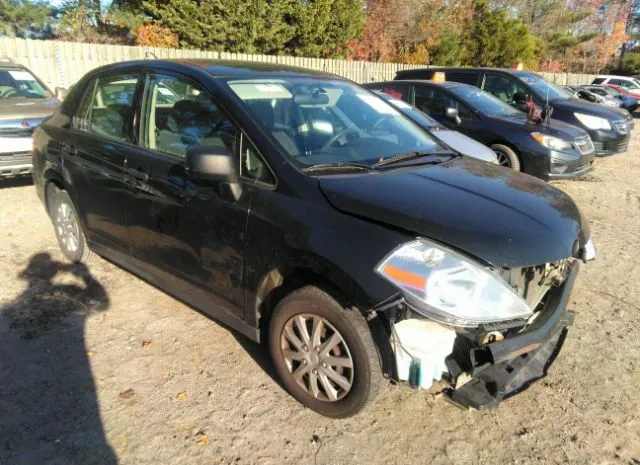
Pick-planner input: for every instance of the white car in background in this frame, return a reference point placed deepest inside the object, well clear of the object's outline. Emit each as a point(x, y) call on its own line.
point(454, 139)
point(627, 83)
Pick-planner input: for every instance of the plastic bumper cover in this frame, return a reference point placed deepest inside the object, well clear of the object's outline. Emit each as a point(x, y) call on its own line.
point(503, 369)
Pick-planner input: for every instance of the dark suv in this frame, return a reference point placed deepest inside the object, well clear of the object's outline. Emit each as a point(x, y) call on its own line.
point(304, 211)
point(609, 128)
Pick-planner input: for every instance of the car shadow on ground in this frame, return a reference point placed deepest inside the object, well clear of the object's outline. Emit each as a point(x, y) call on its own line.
point(259, 352)
point(48, 405)
point(16, 182)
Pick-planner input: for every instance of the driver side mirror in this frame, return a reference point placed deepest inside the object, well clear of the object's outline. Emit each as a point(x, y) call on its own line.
point(61, 93)
point(212, 163)
point(453, 115)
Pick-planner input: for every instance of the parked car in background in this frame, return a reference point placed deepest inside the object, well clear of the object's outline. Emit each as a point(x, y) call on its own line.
point(454, 139)
point(629, 101)
point(306, 212)
point(554, 151)
point(24, 102)
point(629, 84)
point(609, 128)
point(580, 93)
point(606, 97)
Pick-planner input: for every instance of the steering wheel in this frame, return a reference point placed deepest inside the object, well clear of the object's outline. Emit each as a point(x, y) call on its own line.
point(382, 119)
point(337, 137)
point(8, 93)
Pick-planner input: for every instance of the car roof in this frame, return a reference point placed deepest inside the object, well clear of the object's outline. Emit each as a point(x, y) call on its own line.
point(459, 68)
point(221, 68)
point(612, 76)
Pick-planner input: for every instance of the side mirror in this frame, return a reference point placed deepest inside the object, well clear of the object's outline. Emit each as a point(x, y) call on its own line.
point(212, 163)
point(453, 115)
point(61, 93)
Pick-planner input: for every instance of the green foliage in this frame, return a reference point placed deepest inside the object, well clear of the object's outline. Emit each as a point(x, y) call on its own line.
point(20, 18)
point(241, 26)
point(629, 65)
point(495, 40)
point(448, 52)
point(324, 27)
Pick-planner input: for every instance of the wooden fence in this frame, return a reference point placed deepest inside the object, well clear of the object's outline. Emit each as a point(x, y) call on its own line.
point(64, 63)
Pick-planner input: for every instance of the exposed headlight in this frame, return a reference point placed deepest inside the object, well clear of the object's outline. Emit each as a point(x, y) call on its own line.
point(450, 288)
point(593, 122)
point(551, 142)
point(610, 103)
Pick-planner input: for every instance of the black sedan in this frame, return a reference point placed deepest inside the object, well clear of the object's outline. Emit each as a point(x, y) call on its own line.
point(554, 151)
point(305, 212)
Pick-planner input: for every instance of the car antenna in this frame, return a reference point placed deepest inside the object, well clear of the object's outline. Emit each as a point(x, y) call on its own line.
point(149, 54)
point(548, 110)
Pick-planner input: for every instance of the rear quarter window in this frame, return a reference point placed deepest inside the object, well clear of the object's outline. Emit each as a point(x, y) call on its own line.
point(415, 74)
point(464, 77)
point(598, 80)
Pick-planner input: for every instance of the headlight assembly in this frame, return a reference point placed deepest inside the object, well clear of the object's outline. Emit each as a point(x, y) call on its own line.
point(551, 142)
point(450, 288)
point(593, 122)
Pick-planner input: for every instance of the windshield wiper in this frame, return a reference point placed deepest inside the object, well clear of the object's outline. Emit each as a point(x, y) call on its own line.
point(342, 166)
point(410, 156)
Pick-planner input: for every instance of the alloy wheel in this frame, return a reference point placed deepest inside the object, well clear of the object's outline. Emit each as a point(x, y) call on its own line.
point(67, 227)
point(317, 357)
point(503, 159)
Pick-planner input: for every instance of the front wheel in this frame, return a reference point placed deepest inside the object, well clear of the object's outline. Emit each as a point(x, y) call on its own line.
point(324, 353)
point(507, 157)
point(68, 229)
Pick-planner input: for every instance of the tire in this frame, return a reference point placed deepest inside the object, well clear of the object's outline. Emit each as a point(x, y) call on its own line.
point(310, 305)
point(68, 228)
point(507, 157)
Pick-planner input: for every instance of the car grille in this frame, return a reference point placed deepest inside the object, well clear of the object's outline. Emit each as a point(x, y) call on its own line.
point(584, 144)
point(622, 126)
point(623, 146)
point(16, 132)
point(14, 156)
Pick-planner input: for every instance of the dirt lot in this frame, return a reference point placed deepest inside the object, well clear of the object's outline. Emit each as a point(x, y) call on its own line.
point(98, 367)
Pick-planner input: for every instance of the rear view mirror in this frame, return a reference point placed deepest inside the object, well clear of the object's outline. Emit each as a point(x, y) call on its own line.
point(212, 163)
point(452, 114)
point(61, 93)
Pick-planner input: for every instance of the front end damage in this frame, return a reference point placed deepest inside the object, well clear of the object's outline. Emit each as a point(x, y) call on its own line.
point(479, 367)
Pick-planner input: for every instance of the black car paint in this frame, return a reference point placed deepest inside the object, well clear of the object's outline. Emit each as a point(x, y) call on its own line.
point(608, 142)
point(228, 255)
point(514, 131)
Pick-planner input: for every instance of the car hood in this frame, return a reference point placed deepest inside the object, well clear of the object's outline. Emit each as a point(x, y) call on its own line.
point(589, 108)
point(27, 108)
point(554, 128)
point(465, 145)
point(502, 217)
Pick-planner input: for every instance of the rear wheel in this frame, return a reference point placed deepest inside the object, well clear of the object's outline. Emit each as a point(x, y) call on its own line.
point(68, 229)
point(324, 353)
point(507, 157)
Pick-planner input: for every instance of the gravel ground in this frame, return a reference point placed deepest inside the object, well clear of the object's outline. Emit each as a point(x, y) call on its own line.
point(98, 367)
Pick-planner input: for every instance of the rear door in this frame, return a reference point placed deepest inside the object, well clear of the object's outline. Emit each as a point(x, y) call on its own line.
point(189, 231)
point(94, 155)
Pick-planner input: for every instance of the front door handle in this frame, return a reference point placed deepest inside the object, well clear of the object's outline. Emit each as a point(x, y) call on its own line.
point(138, 174)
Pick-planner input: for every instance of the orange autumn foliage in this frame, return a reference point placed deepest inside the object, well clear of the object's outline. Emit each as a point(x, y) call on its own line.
point(153, 35)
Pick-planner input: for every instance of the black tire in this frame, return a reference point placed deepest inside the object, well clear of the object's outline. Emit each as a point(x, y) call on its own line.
point(507, 157)
point(68, 228)
point(366, 373)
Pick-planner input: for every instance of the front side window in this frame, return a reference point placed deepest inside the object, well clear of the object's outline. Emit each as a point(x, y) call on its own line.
point(435, 102)
point(318, 121)
point(506, 89)
point(179, 114)
point(107, 107)
point(484, 102)
point(19, 83)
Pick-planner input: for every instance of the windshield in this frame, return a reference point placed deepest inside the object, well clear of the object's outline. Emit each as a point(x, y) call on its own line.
point(19, 83)
point(412, 112)
point(484, 102)
point(543, 88)
point(322, 121)
point(614, 92)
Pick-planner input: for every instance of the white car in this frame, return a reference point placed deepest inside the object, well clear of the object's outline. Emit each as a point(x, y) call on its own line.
point(629, 84)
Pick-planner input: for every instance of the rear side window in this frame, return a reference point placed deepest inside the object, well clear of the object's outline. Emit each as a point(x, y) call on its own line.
point(107, 107)
point(465, 77)
point(415, 74)
point(598, 80)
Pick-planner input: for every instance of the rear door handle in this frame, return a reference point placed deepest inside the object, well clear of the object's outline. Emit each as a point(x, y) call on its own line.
point(138, 174)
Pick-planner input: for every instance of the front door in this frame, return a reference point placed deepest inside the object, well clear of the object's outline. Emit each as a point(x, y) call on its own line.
point(507, 89)
point(94, 151)
point(187, 229)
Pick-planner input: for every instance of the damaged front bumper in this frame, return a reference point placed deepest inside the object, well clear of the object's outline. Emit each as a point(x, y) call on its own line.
point(481, 377)
point(476, 373)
